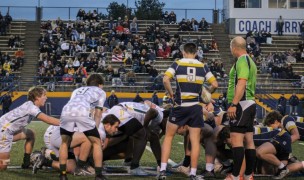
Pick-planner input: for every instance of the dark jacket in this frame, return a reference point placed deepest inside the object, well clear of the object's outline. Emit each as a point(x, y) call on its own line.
point(112, 100)
point(138, 99)
point(294, 100)
point(155, 99)
point(282, 101)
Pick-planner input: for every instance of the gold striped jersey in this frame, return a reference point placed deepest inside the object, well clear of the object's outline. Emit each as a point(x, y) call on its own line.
point(190, 75)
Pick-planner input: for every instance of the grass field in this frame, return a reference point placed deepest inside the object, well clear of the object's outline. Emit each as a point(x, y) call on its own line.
point(147, 160)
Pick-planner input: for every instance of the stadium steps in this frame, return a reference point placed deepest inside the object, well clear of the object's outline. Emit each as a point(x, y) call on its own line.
point(260, 103)
point(223, 42)
point(29, 69)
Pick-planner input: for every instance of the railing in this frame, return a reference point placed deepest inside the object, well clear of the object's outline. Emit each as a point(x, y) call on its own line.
point(144, 81)
point(32, 13)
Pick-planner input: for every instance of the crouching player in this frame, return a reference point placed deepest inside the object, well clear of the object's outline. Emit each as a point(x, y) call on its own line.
point(52, 140)
point(12, 126)
point(276, 152)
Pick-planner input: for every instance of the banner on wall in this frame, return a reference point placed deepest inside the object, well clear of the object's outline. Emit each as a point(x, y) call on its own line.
point(291, 27)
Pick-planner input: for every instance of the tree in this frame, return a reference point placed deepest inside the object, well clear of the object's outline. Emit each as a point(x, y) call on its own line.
point(149, 9)
point(116, 10)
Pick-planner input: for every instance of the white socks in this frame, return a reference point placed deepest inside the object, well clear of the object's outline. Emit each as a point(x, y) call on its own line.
point(209, 166)
point(163, 166)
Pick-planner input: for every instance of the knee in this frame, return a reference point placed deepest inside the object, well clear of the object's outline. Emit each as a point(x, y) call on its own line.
point(30, 135)
point(259, 154)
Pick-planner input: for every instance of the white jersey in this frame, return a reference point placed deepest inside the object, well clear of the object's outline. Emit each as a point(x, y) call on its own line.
point(19, 117)
point(50, 141)
point(121, 113)
point(139, 110)
point(83, 100)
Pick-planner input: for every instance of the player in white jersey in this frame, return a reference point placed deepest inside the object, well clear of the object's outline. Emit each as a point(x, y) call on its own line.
point(80, 143)
point(77, 113)
point(12, 126)
point(134, 116)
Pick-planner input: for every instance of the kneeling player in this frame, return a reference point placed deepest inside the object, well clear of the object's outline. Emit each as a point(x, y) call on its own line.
point(12, 126)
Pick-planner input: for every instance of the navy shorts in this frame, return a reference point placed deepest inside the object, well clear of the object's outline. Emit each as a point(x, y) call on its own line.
point(282, 144)
point(260, 139)
point(191, 116)
point(244, 119)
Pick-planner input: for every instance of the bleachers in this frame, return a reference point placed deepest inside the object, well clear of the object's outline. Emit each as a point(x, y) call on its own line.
point(161, 64)
point(17, 29)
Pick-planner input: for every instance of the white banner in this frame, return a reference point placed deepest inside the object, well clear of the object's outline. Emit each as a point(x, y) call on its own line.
point(291, 27)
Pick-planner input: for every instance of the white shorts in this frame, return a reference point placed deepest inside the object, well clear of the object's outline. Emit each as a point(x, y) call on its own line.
point(6, 142)
point(82, 123)
point(53, 141)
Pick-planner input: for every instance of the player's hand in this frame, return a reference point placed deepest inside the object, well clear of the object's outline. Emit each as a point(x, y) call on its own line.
point(231, 112)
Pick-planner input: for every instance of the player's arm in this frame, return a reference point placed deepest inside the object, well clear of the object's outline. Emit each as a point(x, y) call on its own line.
point(295, 135)
point(167, 85)
point(97, 115)
point(48, 119)
point(105, 143)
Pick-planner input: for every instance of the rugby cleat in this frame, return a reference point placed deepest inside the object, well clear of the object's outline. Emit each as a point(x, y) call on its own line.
point(138, 172)
point(161, 176)
point(281, 173)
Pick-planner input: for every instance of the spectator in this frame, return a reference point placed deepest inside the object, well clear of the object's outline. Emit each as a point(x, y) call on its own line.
point(11, 42)
point(302, 81)
point(155, 99)
point(116, 81)
point(172, 17)
point(7, 67)
point(2, 27)
point(281, 106)
point(6, 103)
point(152, 57)
point(50, 81)
point(203, 25)
point(19, 55)
point(293, 102)
point(8, 19)
point(131, 78)
point(200, 53)
point(280, 25)
point(194, 24)
point(134, 26)
point(269, 38)
point(138, 98)
point(165, 17)
point(112, 99)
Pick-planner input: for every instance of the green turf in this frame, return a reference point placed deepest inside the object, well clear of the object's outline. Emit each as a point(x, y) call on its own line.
point(147, 160)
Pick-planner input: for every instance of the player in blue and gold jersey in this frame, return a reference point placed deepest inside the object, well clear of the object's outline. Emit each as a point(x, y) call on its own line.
point(190, 75)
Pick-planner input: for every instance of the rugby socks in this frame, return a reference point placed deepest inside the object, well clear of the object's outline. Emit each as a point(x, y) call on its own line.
point(49, 163)
point(250, 155)
point(193, 171)
point(281, 166)
point(26, 160)
point(209, 166)
point(163, 166)
point(81, 163)
point(238, 156)
point(158, 162)
point(134, 165)
point(98, 171)
point(62, 168)
point(186, 161)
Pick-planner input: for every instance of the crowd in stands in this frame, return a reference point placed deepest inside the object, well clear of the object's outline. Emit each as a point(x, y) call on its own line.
point(193, 25)
point(8, 63)
point(278, 64)
point(5, 23)
point(72, 50)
